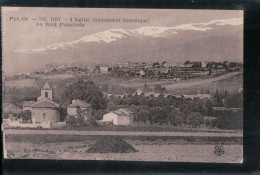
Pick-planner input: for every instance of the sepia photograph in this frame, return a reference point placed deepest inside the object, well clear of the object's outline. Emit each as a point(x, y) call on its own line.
point(160, 85)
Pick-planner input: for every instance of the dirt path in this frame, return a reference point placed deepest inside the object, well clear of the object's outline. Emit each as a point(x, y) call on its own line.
point(121, 133)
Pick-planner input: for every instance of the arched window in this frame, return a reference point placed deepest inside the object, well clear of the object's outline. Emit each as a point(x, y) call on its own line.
point(46, 94)
point(44, 116)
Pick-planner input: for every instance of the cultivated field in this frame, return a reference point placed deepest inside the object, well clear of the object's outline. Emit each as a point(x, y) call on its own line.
point(57, 76)
point(171, 85)
point(233, 83)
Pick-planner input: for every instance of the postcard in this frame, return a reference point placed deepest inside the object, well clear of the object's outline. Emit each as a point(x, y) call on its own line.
point(161, 85)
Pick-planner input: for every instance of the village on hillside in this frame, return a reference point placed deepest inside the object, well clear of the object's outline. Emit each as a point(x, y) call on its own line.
point(84, 103)
point(163, 70)
point(161, 85)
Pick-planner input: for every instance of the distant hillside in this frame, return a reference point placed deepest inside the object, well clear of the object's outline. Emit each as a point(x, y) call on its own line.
point(212, 41)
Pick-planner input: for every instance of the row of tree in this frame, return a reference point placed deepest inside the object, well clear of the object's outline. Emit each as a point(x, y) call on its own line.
point(167, 115)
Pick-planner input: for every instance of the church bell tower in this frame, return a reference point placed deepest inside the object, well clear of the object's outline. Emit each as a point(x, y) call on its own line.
point(46, 92)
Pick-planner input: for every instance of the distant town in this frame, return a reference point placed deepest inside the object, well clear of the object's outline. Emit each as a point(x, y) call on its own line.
point(162, 70)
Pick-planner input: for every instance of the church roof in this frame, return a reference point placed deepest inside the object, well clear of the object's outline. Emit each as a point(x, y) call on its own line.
point(79, 103)
point(46, 86)
point(45, 103)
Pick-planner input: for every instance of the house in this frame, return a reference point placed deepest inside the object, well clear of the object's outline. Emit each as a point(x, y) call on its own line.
point(142, 73)
point(44, 109)
point(227, 109)
point(204, 64)
point(209, 121)
point(9, 110)
point(73, 107)
point(138, 92)
point(27, 105)
point(103, 68)
point(169, 64)
point(119, 117)
point(200, 96)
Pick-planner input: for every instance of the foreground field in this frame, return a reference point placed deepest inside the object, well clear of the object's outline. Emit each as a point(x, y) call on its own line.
point(176, 149)
point(122, 133)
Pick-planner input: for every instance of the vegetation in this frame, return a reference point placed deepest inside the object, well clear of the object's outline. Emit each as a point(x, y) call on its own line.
point(85, 91)
point(47, 138)
point(179, 111)
point(169, 111)
point(229, 120)
point(80, 119)
point(25, 116)
point(111, 145)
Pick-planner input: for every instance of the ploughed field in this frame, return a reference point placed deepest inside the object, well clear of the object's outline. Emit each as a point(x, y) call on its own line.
point(148, 148)
point(170, 85)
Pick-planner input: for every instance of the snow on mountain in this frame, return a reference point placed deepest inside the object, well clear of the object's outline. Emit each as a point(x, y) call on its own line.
point(105, 36)
point(233, 22)
point(112, 35)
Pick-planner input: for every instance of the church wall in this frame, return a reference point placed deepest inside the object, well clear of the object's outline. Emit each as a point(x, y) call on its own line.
point(40, 115)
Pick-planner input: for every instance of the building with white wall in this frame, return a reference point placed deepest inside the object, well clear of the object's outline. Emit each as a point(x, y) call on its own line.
point(84, 107)
point(119, 117)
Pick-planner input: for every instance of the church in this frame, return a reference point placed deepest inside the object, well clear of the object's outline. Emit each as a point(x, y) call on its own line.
point(44, 109)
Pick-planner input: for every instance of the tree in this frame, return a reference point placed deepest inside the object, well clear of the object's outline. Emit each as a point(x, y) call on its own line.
point(81, 114)
point(159, 89)
point(63, 113)
point(146, 88)
point(25, 115)
point(194, 119)
point(85, 91)
point(142, 116)
point(98, 114)
point(176, 117)
point(156, 64)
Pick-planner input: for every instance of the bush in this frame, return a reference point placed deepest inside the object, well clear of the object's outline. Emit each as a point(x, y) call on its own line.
point(71, 121)
point(194, 119)
point(25, 115)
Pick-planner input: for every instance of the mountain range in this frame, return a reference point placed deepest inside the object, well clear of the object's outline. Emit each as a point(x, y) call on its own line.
point(216, 40)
